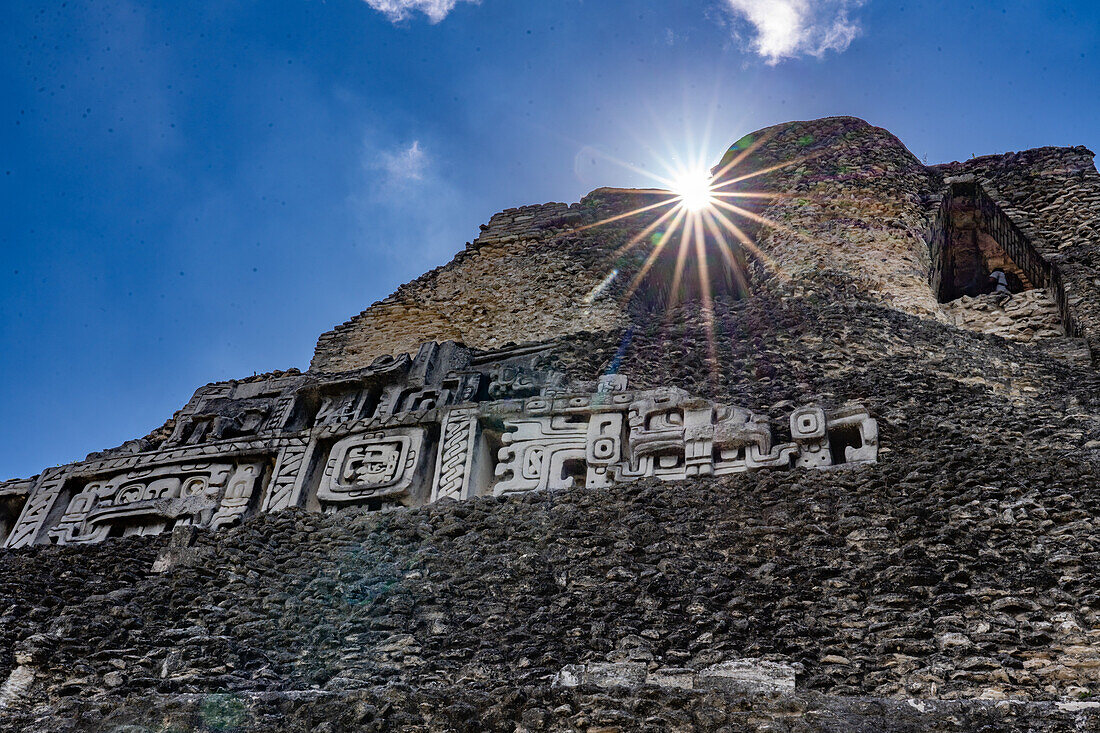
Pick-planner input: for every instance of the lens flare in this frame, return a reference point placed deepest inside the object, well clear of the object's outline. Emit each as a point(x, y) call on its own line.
point(693, 188)
point(695, 215)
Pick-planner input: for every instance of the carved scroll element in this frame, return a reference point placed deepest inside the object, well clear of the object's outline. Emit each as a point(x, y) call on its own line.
point(808, 427)
point(238, 494)
point(541, 453)
point(851, 427)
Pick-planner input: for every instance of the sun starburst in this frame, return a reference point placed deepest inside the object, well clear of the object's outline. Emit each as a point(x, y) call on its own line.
point(696, 212)
point(693, 189)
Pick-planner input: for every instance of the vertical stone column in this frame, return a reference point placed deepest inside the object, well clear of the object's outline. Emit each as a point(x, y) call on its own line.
point(37, 509)
point(289, 477)
point(462, 463)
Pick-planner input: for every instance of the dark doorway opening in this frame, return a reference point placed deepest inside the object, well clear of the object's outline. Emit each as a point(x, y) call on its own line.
point(980, 249)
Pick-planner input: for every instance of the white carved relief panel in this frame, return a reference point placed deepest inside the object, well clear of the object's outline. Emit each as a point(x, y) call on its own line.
point(146, 501)
point(445, 425)
point(386, 465)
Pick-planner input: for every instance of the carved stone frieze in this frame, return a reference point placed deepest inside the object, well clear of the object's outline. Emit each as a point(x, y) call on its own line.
point(667, 434)
point(382, 466)
point(146, 501)
point(445, 423)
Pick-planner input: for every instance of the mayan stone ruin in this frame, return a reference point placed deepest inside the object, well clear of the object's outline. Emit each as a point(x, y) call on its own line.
point(839, 473)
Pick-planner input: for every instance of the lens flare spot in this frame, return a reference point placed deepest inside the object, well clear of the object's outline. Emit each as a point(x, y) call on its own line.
point(694, 190)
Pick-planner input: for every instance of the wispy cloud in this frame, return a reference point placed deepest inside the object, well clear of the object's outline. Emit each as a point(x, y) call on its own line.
point(406, 189)
point(785, 29)
point(396, 10)
point(403, 164)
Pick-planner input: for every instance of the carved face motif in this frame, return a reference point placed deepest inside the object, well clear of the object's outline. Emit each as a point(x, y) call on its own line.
point(372, 464)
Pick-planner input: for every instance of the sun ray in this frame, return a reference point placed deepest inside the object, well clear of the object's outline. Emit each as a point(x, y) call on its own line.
point(707, 294)
point(757, 218)
point(633, 168)
point(671, 145)
point(681, 259)
point(752, 194)
point(726, 250)
point(643, 234)
point(748, 244)
point(652, 258)
point(627, 215)
point(765, 137)
point(762, 171)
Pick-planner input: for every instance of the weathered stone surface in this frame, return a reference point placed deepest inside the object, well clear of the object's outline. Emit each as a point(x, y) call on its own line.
point(748, 676)
point(1025, 316)
point(369, 438)
point(949, 585)
point(550, 268)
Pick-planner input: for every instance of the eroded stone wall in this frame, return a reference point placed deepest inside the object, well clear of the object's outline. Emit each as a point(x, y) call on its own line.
point(851, 200)
point(527, 277)
point(854, 201)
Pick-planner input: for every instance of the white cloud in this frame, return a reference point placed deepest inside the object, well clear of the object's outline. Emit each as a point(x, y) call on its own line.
point(404, 164)
point(405, 189)
point(788, 28)
point(396, 10)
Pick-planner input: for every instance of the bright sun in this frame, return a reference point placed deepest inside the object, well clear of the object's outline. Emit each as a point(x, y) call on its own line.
point(693, 188)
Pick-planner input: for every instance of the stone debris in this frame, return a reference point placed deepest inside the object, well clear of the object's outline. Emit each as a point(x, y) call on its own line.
point(1025, 316)
point(16, 686)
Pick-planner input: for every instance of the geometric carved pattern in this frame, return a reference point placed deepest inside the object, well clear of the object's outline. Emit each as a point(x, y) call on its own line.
point(447, 424)
point(382, 465)
point(37, 509)
point(668, 435)
point(541, 453)
point(457, 452)
point(283, 493)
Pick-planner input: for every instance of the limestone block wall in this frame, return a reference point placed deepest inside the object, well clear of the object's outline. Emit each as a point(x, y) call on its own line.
point(854, 201)
point(526, 277)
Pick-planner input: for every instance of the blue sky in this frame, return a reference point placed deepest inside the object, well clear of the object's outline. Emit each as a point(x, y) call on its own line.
point(194, 191)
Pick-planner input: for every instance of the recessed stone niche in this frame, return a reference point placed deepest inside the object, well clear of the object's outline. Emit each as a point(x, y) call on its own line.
point(10, 508)
point(973, 237)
